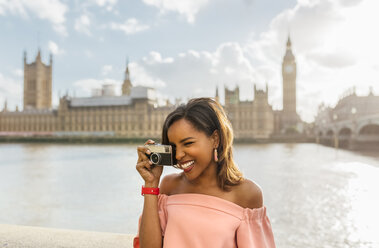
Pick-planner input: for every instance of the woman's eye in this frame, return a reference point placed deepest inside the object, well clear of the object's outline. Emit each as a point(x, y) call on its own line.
point(188, 143)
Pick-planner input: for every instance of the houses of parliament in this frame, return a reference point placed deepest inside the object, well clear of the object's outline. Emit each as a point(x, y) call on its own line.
point(135, 113)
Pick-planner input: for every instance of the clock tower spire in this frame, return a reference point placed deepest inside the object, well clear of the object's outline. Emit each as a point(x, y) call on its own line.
point(289, 80)
point(290, 117)
point(127, 85)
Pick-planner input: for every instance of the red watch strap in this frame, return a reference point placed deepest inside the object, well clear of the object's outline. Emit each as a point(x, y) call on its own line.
point(149, 191)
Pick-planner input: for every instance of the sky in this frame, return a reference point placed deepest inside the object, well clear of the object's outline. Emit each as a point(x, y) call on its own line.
point(187, 48)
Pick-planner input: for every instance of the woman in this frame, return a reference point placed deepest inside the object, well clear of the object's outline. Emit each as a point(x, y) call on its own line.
point(209, 204)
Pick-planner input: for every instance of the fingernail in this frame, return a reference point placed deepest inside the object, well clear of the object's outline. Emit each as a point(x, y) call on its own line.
point(148, 152)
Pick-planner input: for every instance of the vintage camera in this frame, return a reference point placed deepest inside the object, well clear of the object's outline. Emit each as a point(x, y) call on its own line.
point(161, 154)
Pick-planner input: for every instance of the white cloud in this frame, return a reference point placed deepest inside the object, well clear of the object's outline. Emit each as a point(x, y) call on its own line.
point(18, 73)
point(82, 24)
point(60, 29)
point(108, 4)
point(10, 91)
point(334, 46)
point(196, 73)
point(155, 57)
point(131, 26)
point(106, 69)
point(85, 87)
point(187, 8)
point(332, 59)
point(54, 49)
point(140, 76)
point(51, 10)
point(88, 53)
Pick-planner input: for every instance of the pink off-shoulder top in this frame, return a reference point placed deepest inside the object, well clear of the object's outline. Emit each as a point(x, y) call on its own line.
point(197, 220)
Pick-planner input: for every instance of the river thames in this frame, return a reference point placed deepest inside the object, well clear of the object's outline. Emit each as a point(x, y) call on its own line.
point(316, 196)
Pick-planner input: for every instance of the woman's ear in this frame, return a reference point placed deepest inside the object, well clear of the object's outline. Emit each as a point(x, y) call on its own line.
point(216, 139)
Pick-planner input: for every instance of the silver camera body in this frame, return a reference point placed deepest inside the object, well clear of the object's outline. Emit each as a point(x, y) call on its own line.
point(160, 154)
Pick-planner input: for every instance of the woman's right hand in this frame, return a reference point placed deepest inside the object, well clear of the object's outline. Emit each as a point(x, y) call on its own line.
point(151, 174)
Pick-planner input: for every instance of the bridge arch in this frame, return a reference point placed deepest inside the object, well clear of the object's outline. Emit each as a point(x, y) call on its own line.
point(330, 133)
point(365, 123)
point(345, 132)
point(344, 137)
point(327, 138)
point(368, 136)
point(369, 129)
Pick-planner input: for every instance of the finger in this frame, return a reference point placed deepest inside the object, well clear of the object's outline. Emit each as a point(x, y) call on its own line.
point(142, 151)
point(148, 165)
point(157, 170)
point(150, 141)
point(145, 165)
point(145, 174)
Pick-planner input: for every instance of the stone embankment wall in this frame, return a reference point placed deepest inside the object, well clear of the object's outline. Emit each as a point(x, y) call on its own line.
point(12, 236)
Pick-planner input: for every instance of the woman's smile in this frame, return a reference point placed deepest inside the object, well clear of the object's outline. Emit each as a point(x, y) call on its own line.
point(187, 166)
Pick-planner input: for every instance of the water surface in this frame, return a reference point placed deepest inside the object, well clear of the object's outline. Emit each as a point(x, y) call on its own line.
point(316, 196)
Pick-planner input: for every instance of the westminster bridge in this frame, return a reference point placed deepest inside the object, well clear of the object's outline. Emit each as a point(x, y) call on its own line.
point(360, 132)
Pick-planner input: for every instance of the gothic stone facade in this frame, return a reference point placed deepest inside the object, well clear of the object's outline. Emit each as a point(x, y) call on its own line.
point(135, 114)
point(250, 119)
point(131, 117)
point(37, 83)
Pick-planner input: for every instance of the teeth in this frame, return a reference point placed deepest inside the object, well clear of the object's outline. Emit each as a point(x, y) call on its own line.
point(188, 164)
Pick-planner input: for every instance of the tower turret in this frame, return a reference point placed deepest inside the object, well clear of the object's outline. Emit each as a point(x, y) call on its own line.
point(127, 85)
point(231, 96)
point(37, 84)
point(288, 42)
point(5, 109)
point(38, 58)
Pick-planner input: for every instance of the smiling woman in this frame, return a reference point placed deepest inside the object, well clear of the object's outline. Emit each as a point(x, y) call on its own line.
point(209, 204)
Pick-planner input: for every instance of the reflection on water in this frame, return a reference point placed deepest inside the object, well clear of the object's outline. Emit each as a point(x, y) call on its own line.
point(316, 196)
point(364, 202)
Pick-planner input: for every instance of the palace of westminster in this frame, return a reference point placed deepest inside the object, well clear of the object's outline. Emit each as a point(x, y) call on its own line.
point(135, 113)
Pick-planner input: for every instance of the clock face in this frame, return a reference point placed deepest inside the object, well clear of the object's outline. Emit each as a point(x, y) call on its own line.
point(288, 68)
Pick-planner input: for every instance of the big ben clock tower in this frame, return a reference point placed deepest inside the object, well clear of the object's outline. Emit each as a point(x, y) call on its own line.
point(290, 117)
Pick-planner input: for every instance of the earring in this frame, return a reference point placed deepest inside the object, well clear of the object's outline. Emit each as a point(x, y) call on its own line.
point(215, 155)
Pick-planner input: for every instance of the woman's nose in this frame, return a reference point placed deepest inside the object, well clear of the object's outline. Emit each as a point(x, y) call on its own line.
point(179, 154)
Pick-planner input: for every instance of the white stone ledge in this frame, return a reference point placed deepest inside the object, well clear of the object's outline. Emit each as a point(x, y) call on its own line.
point(12, 236)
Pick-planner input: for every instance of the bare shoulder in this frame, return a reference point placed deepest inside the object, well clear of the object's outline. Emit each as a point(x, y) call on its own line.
point(169, 183)
point(249, 194)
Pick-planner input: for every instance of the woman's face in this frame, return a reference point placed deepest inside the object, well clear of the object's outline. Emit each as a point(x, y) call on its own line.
point(194, 149)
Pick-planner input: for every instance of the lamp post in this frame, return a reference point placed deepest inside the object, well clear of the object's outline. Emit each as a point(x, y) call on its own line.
point(336, 143)
point(354, 131)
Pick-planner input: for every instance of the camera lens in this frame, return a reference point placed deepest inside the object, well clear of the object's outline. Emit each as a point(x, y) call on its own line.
point(155, 158)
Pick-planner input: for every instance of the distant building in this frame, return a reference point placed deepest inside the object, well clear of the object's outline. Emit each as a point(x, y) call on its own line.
point(256, 119)
point(350, 107)
point(287, 121)
point(250, 119)
point(134, 114)
point(37, 83)
point(353, 123)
